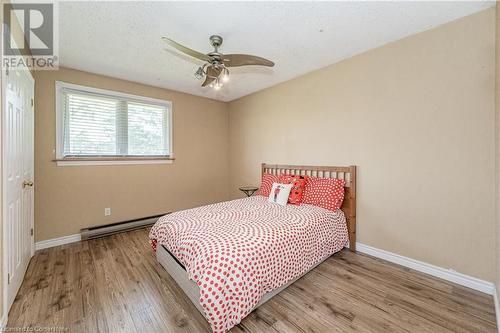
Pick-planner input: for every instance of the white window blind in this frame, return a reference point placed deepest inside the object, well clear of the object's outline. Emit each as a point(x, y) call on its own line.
point(108, 124)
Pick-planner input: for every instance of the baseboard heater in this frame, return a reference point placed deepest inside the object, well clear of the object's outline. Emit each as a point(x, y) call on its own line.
point(114, 228)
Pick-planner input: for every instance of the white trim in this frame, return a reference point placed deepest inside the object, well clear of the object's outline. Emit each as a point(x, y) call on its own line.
point(497, 308)
point(60, 85)
point(82, 163)
point(445, 274)
point(3, 322)
point(5, 267)
point(113, 93)
point(57, 241)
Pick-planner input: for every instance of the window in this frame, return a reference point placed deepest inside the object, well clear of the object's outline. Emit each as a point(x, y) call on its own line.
point(98, 126)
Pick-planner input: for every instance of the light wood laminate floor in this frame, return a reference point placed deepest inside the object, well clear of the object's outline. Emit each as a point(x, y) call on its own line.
point(114, 284)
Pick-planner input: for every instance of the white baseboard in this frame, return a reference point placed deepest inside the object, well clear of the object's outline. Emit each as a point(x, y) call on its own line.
point(445, 274)
point(3, 322)
point(57, 241)
point(497, 308)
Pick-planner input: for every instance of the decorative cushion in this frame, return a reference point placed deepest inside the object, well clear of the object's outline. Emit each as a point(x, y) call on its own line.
point(299, 184)
point(266, 184)
point(279, 193)
point(324, 192)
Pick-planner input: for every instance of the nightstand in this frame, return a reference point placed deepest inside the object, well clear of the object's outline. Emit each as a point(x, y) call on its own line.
point(249, 190)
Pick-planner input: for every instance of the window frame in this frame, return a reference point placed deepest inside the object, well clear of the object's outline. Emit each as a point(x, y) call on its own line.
point(61, 160)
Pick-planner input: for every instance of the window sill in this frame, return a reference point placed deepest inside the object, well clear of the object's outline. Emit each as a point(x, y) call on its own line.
point(81, 161)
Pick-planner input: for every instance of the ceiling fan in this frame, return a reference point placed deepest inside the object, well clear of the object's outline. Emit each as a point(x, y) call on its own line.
point(215, 70)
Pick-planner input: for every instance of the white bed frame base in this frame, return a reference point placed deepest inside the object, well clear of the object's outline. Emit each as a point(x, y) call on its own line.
point(191, 289)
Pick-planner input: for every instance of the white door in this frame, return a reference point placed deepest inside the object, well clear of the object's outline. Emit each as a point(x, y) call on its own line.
point(17, 144)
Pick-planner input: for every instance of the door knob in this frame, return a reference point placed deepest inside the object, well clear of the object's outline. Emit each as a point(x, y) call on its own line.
point(27, 183)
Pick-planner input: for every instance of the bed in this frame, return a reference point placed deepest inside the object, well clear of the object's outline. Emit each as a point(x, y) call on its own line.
point(231, 257)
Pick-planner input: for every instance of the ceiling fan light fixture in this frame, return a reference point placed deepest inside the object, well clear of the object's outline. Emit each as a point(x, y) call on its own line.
point(225, 75)
point(217, 84)
point(214, 70)
point(199, 73)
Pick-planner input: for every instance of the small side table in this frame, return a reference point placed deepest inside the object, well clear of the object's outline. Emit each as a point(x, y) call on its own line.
point(249, 190)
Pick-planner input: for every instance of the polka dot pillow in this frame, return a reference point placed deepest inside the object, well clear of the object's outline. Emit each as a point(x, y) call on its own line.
point(266, 184)
point(327, 193)
point(299, 184)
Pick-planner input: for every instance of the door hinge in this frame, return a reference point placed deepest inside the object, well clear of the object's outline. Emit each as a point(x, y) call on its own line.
point(31, 232)
point(8, 278)
point(32, 102)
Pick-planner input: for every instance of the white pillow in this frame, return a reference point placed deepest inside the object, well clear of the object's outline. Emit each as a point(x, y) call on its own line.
point(279, 193)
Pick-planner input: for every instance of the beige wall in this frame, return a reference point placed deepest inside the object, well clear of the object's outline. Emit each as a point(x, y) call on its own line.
point(432, 91)
point(70, 198)
point(497, 146)
point(417, 117)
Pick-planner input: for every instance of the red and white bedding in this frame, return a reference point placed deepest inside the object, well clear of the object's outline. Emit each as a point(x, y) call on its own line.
point(236, 251)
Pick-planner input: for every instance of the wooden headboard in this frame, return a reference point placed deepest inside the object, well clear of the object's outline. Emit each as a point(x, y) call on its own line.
point(346, 173)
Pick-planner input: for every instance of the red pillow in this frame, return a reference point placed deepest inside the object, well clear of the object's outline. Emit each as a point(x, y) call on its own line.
point(299, 184)
point(324, 192)
point(266, 184)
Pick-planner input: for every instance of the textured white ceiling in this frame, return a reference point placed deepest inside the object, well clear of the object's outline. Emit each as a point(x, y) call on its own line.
point(122, 39)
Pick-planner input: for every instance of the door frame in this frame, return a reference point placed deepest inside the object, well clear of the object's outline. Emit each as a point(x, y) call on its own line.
point(5, 286)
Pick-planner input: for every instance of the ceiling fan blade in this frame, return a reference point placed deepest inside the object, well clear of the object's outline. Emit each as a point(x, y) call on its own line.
point(186, 50)
point(236, 60)
point(213, 73)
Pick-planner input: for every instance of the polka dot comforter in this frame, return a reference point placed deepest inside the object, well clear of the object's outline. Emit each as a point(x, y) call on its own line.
point(236, 251)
